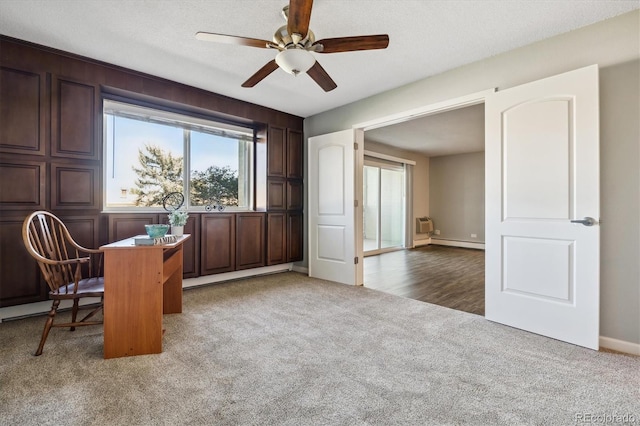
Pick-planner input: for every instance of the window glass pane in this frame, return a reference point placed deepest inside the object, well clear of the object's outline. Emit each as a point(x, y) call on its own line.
point(144, 162)
point(391, 208)
point(215, 166)
point(371, 207)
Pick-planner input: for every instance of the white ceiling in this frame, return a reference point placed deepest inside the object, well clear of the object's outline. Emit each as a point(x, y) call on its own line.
point(448, 133)
point(426, 37)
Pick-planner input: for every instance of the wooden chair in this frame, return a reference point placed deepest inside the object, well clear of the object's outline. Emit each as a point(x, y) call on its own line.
point(71, 271)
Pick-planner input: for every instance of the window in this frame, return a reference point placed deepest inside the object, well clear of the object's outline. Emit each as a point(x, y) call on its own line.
point(151, 153)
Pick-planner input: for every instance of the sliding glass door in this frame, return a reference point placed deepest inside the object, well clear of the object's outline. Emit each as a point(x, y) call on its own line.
point(383, 206)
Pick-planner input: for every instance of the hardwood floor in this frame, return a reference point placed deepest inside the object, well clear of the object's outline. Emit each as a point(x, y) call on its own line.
point(446, 276)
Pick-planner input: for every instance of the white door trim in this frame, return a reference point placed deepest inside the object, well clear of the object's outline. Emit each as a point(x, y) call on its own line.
point(423, 111)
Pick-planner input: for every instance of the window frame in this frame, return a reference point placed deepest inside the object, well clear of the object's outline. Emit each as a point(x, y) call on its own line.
point(194, 121)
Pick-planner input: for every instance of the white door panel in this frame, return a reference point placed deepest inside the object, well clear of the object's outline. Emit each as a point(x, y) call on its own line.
point(332, 236)
point(542, 171)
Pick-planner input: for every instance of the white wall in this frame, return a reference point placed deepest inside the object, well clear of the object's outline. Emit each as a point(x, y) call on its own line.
point(612, 44)
point(456, 196)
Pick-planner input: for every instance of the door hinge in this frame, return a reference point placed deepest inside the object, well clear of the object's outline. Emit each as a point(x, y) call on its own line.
point(355, 146)
point(355, 260)
point(355, 203)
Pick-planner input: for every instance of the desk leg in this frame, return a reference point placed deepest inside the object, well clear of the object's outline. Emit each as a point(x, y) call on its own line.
point(132, 302)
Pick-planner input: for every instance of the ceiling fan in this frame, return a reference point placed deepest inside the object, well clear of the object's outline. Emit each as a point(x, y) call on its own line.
point(295, 41)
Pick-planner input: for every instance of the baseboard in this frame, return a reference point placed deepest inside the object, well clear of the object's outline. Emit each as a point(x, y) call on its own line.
point(452, 243)
point(301, 269)
point(39, 308)
point(620, 345)
point(229, 276)
point(419, 243)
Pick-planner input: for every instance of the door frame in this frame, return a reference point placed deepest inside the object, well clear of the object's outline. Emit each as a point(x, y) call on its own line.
point(360, 128)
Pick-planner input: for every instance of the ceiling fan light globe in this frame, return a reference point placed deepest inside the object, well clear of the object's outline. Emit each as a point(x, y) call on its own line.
point(295, 61)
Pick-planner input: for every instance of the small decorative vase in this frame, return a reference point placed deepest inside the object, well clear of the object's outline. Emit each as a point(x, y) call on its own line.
point(177, 230)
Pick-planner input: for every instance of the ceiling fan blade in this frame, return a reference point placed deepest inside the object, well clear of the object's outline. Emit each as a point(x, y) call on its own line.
point(320, 76)
point(229, 39)
point(270, 67)
point(299, 16)
point(348, 44)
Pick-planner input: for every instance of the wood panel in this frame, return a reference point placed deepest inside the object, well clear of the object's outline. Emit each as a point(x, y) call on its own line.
point(75, 120)
point(276, 152)
point(22, 185)
point(294, 194)
point(22, 111)
point(294, 237)
point(276, 194)
point(123, 226)
point(276, 238)
point(191, 247)
point(83, 229)
point(20, 276)
point(218, 243)
point(75, 186)
point(294, 154)
point(249, 240)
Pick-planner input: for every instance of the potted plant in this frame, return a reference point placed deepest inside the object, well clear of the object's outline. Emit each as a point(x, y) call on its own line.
point(177, 220)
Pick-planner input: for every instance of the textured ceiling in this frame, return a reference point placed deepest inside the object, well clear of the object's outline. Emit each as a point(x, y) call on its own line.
point(426, 38)
point(448, 133)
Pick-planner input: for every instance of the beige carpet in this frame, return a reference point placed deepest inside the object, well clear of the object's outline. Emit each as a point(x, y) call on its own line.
point(287, 349)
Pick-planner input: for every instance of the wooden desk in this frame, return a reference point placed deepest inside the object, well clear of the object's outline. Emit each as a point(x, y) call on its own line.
point(140, 284)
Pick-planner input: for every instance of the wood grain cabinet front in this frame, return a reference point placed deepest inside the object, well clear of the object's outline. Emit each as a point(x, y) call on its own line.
point(217, 243)
point(249, 240)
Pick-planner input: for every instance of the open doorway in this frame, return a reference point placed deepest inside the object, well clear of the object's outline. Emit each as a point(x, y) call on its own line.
point(445, 266)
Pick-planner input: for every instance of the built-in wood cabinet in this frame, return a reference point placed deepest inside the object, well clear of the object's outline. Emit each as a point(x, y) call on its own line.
point(277, 238)
point(294, 236)
point(51, 153)
point(294, 154)
point(218, 243)
point(285, 195)
point(250, 240)
point(277, 152)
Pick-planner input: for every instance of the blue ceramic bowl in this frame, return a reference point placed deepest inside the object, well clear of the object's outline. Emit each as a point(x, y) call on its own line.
point(156, 231)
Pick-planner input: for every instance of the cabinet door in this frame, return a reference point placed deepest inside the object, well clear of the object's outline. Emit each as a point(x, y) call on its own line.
point(276, 238)
point(249, 240)
point(218, 243)
point(294, 194)
point(294, 154)
point(276, 152)
point(276, 194)
point(76, 123)
point(294, 237)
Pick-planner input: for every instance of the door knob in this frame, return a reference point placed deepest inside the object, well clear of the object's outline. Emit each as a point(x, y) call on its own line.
point(587, 221)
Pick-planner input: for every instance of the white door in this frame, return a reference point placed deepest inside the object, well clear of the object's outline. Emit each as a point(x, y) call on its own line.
point(332, 214)
point(542, 173)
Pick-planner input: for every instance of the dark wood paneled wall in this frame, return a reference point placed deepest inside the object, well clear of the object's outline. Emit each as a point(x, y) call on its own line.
point(51, 158)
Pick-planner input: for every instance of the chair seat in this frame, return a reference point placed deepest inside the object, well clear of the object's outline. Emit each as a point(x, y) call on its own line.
point(92, 287)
